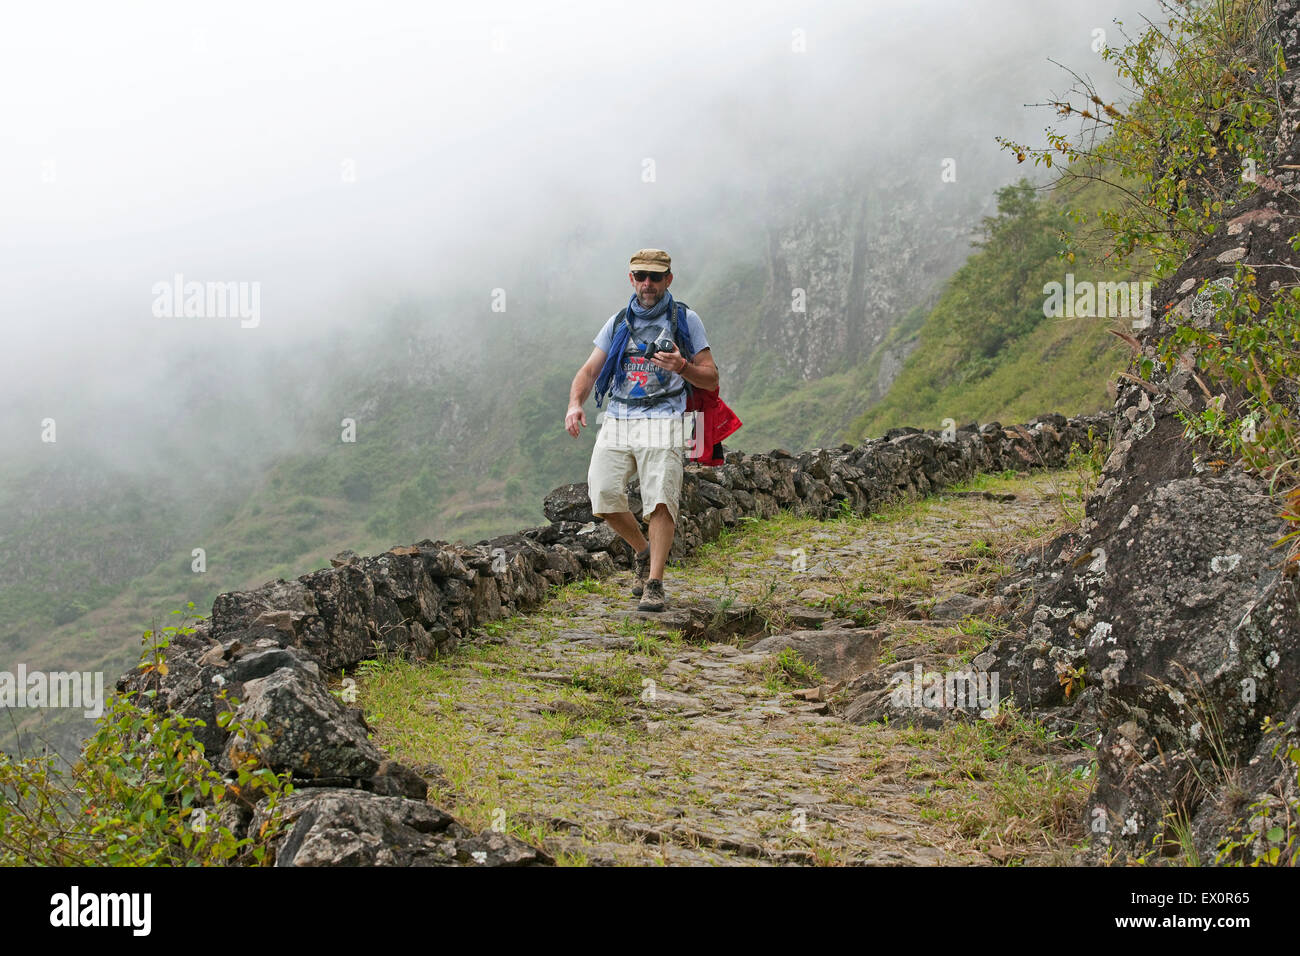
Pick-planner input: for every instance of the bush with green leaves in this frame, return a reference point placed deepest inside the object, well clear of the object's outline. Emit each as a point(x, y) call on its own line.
point(142, 792)
point(1263, 841)
point(1247, 364)
point(1193, 140)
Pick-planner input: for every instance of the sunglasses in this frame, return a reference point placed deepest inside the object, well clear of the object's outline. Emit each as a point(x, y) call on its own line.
point(642, 276)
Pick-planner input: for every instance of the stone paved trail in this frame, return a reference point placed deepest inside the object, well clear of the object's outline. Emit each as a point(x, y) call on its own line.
point(606, 735)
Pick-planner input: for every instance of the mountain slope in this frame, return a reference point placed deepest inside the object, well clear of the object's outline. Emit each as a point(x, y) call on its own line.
point(987, 352)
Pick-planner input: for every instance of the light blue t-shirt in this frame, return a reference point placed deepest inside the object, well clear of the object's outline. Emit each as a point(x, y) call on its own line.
point(648, 331)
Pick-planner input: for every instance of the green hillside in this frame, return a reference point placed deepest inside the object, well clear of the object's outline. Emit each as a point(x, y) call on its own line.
point(797, 415)
point(987, 352)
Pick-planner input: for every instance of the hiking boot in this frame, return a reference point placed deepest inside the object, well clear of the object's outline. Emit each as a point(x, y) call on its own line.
point(642, 571)
point(653, 600)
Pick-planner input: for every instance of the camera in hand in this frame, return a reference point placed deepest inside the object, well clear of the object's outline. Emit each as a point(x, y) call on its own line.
point(661, 344)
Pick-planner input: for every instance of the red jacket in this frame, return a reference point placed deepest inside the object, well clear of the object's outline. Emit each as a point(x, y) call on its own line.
point(719, 421)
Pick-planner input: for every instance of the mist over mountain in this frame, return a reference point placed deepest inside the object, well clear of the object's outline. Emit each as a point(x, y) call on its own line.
point(435, 209)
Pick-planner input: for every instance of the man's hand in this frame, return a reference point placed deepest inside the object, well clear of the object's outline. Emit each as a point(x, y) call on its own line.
point(672, 361)
point(571, 421)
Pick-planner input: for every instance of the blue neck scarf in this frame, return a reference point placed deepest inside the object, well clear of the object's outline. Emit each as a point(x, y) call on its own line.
point(613, 361)
point(656, 310)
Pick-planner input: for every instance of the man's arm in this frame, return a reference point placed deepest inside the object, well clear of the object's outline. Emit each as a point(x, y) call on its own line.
point(581, 388)
point(700, 371)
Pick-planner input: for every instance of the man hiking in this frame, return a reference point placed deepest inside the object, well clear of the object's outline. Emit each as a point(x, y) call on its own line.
point(643, 358)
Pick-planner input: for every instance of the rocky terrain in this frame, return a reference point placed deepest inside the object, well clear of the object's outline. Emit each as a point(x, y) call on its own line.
point(278, 648)
point(745, 725)
point(515, 710)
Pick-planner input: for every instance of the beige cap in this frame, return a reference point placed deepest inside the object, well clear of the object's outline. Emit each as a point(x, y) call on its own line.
point(651, 260)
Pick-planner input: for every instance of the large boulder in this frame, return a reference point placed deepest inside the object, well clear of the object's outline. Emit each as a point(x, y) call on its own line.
point(568, 503)
point(334, 827)
point(312, 734)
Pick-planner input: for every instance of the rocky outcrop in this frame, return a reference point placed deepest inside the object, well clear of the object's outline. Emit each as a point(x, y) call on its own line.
point(1167, 626)
point(1169, 629)
point(277, 649)
point(355, 828)
point(864, 252)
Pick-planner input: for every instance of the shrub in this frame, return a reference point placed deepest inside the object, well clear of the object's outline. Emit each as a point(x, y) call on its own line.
point(142, 792)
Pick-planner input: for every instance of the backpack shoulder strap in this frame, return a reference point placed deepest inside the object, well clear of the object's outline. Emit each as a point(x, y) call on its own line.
point(682, 309)
point(626, 320)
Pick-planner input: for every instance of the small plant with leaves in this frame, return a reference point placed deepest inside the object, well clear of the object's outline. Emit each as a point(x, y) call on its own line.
point(1273, 830)
point(788, 670)
point(142, 792)
point(1070, 677)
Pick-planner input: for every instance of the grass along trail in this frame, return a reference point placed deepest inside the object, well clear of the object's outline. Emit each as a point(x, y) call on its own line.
point(604, 735)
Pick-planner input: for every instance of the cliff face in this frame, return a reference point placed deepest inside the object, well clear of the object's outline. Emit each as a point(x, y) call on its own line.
point(864, 256)
point(1172, 608)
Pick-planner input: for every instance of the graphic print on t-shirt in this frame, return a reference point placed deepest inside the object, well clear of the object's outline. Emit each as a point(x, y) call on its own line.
point(651, 394)
point(638, 369)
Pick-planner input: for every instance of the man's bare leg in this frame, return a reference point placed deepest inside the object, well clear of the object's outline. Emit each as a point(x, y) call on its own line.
point(627, 528)
point(662, 529)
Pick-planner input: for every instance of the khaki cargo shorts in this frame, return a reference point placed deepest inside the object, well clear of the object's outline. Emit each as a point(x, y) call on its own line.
point(654, 449)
